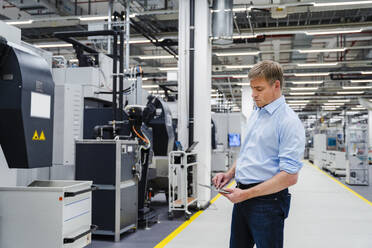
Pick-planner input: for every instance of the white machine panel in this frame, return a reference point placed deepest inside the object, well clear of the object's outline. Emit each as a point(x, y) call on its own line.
point(34, 216)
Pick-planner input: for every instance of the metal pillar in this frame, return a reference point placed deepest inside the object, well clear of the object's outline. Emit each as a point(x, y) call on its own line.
point(202, 97)
point(183, 71)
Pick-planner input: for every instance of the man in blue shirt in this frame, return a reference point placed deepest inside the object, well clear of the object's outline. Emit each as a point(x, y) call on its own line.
point(268, 163)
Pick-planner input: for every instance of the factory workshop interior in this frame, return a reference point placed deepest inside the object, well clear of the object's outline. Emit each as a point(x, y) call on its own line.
point(116, 116)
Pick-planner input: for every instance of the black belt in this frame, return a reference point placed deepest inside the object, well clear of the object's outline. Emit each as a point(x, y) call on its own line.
point(247, 186)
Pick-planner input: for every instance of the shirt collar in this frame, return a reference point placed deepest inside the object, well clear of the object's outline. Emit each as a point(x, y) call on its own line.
point(271, 107)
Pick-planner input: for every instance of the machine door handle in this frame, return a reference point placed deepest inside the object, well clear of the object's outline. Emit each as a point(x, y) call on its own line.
point(72, 240)
point(72, 194)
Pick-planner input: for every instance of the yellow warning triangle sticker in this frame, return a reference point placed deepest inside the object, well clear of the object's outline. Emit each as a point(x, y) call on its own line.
point(42, 136)
point(36, 136)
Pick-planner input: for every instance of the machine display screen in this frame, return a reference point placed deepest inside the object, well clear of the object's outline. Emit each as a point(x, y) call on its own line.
point(234, 139)
point(331, 141)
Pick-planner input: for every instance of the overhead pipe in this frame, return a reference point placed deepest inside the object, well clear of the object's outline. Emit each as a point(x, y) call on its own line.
point(222, 22)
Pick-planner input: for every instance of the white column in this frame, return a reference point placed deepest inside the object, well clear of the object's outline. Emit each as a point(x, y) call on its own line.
point(247, 106)
point(202, 101)
point(183, 71)
point(370, 127)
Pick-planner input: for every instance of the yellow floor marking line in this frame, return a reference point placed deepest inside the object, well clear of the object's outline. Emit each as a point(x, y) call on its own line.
point(171, 236)
point(341, 184)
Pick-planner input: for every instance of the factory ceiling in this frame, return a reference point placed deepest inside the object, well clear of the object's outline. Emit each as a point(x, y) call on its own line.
point(325, 46)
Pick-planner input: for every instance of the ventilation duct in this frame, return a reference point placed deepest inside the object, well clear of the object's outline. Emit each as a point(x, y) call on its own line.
point(222, 19)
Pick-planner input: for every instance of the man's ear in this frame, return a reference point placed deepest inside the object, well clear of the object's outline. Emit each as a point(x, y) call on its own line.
point(277, 84)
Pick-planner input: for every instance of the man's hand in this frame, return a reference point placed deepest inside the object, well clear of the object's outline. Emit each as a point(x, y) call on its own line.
point(221, 179)
point(236, 195)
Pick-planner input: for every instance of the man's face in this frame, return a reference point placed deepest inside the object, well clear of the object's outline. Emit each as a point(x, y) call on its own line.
point(263, 92)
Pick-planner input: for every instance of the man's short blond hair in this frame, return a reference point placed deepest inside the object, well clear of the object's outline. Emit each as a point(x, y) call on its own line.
point(270, 70)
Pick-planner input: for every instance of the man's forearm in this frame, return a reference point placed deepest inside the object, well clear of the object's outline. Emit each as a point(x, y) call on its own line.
point(277, 183)
point(231, 171)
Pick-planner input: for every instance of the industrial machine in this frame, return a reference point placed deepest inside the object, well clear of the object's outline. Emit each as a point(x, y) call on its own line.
point(357, 171)
point(182, 181)
point(45, 213)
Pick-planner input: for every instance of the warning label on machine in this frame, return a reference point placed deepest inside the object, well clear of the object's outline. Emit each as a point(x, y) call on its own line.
point(37, 137)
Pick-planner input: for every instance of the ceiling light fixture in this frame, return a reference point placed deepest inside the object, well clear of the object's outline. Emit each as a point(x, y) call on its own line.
point(240, 76)
point(306, 82)
point(341, 31)
point(314, 74)
point(350, 92)
point(149, 86)
point(321, 50)
point(298, 101)
point(238, 54)
point(238, 66)
point(168, 68)
point(366, 72)
point(361, 81)
point(92, 18)
point(156, 57)
point(301, 93)
point(19, 22)
point(317, 64)
point(356, 87)
point(334, 103)
point(305, 88)
point(341, 3)
point(341, 100)
point(52, 45)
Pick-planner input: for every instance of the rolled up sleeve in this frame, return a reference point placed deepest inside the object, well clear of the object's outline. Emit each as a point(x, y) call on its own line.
point(291, 145)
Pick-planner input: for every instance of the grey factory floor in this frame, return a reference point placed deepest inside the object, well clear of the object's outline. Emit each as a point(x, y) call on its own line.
point(323, 214)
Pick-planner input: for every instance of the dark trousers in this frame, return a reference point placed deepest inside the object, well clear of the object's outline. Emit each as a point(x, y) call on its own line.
point(260, 221)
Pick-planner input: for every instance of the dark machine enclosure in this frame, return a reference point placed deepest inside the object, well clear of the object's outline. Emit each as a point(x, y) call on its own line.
point(21, 74)
point(97, 161)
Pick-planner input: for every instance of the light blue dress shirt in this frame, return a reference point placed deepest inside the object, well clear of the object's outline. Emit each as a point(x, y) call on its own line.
point(274, 142)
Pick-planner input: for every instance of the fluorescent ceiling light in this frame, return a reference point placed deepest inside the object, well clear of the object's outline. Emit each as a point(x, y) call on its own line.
point(240, 76)
point(341, 100)
point(242, 9)
point(356, 87)
point(361, 80)
point(53, 45)
point(306, 82)
point(149, 86)
point(156, 57)
point(243, 84)
point(238, 54)
point(157, 91)
point(20, 22)
point(342, 31)
point(238, 66)
point(321, 50)
point(168, 68)
point(145, 79)
point(317, 64)
point(301, 93)
point(366, 72)
point(334, 103)
point(298, 101)
point(297, 104)
point(358, 108)
point(312, 74)
point(341, 3)
point(73, 60)
point(142, 41)
point(93, 18)
point(349, 92)
point(245, 36)
point(305, 88)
